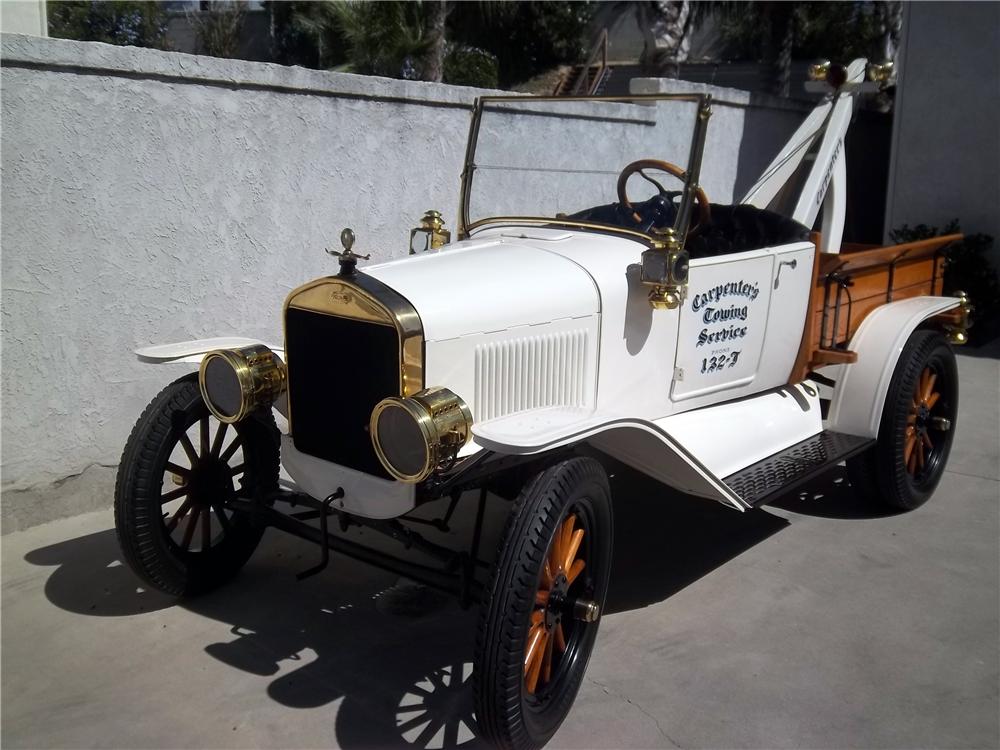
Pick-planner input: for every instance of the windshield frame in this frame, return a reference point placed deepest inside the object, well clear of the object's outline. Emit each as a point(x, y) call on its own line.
point(692, 170)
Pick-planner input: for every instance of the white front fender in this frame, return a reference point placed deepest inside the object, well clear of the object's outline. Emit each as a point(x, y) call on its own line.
point(861, 388)
point(193, 351)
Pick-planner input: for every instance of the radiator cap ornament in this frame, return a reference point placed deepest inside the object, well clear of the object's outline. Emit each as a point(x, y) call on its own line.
point(348, 258)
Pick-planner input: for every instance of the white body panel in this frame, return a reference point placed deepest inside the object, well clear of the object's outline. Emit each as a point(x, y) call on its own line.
point(364, 494)
point(509, 371)
point(452, 290)
point(718, 437)
point(861, 387)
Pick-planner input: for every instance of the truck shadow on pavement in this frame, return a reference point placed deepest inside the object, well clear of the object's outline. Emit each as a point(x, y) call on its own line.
point(397, 657)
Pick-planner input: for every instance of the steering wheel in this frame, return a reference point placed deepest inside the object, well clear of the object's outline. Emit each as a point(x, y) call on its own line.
point(704, 214)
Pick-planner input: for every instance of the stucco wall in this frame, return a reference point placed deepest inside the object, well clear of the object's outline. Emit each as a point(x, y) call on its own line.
point(946, 136)
point(153, 197)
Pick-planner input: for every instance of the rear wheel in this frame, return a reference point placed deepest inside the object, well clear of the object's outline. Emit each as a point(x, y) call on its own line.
point(179, 470)
point(904, 466)
point(541, 609)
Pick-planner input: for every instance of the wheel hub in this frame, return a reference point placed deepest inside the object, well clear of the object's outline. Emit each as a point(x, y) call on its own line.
point(209, 479)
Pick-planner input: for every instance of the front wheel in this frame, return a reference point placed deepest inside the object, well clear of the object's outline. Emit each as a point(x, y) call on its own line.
point(179, 470)
point(918, 424)
point(541, 608)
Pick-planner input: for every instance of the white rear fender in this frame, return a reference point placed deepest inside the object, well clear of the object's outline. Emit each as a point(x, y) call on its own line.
point(862, 387)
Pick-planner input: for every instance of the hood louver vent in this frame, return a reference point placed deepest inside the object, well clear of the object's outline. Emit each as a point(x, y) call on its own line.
point(529, 373)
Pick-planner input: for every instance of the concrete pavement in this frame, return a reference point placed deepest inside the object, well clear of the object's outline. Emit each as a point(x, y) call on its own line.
point(817, 622)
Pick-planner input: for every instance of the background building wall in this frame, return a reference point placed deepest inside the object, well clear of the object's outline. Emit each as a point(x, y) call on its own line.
point(946, 139)
point(23, 17)
point(153, 197)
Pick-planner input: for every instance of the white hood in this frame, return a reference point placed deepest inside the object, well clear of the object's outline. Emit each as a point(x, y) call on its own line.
point(478, 286)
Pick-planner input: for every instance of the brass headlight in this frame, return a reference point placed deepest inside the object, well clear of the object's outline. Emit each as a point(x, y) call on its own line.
point(416, 436)
point(234, 382)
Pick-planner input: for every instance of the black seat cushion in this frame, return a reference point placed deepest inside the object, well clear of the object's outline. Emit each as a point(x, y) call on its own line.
point(732, 229)
point(736, 229)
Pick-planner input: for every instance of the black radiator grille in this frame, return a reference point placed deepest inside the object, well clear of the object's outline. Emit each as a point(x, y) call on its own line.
point(338, 369)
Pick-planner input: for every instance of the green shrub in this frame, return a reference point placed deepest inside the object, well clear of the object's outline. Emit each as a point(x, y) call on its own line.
point(471, 66)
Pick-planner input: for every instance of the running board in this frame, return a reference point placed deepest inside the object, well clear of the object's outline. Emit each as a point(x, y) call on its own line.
point(775, 475)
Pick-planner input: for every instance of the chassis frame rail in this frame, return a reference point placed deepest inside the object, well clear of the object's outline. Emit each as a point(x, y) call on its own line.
point(456, 575)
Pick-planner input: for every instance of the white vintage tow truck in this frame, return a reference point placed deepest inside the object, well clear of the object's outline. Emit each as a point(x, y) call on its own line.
point(728, 351)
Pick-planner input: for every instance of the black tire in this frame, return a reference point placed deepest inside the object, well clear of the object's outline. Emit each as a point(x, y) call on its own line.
point(509, 714)
point(889, 472)
point(159, 542)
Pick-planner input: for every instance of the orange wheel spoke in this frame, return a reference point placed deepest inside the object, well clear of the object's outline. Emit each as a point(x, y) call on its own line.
point(910, 420)
point(927, 441)
point(537, 616)
point(933, 400)
point(541, 598)
point(574, 547)
point(920, 455)
point(555, 555)
point(560, 639)
point(547, 574)
point(911, 464)
point(929, 388)
point(576, 570)
point(534, 638)
point(547, 659)
point(567, 537)
point(536, 665)
point(911, 440)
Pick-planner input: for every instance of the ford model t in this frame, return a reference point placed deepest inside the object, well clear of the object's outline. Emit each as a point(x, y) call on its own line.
point(730, 352)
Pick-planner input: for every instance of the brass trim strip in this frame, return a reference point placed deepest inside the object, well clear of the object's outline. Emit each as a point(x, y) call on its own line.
point(362, 297)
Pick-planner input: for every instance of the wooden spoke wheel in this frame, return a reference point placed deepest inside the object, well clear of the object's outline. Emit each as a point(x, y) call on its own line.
point(542, 606)
point(916, 429)
point(180, 470)
point(199, 481)
point(924, 430)
point(556, 600)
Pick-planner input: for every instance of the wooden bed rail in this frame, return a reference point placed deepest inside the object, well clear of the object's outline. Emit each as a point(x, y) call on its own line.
point(848, 285)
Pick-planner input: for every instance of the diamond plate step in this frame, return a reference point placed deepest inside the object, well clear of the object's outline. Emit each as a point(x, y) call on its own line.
point(775, 475)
